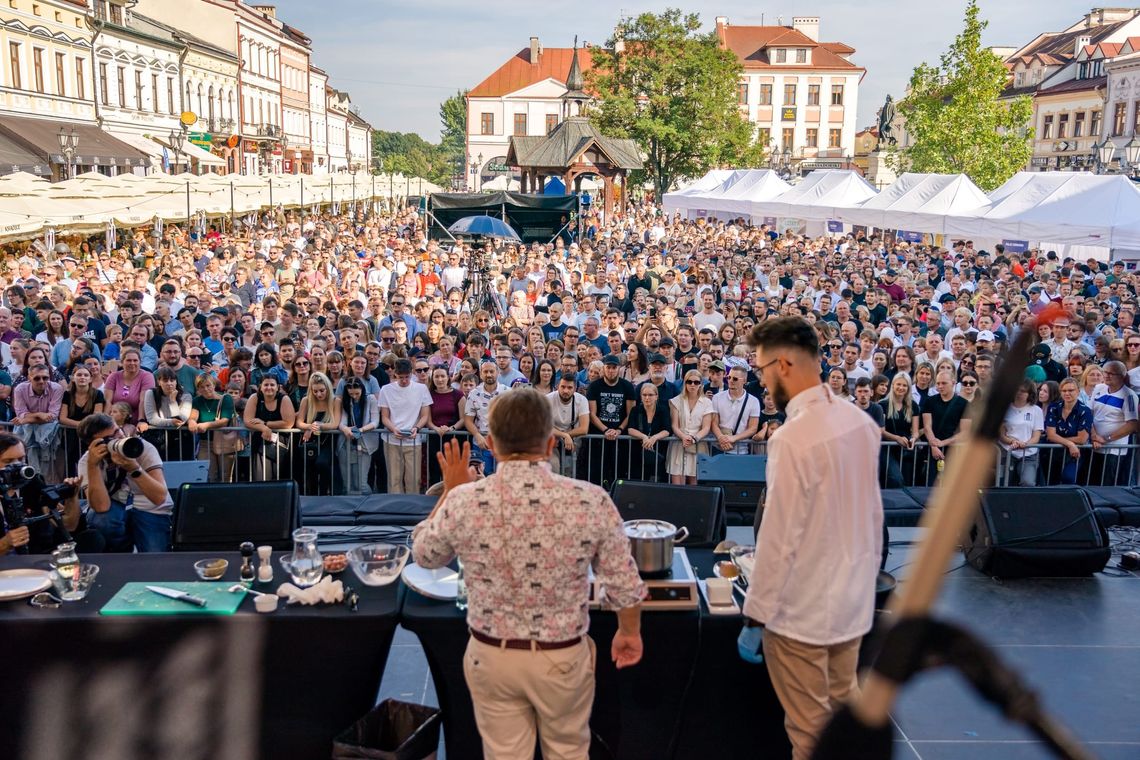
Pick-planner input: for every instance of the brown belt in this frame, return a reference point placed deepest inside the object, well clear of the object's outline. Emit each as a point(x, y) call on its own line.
point(523, 643)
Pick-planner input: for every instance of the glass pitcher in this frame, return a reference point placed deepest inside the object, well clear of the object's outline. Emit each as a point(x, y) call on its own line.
point(305, 564)
point(65, 560)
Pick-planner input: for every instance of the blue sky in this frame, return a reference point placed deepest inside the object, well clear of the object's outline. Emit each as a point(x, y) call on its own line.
point(398, 61)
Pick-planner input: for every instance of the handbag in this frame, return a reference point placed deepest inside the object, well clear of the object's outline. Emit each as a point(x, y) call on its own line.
point(226, 441)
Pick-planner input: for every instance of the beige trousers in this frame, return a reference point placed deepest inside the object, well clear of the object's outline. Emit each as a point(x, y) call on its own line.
point(519, 693)
point(403, 464)
point(811, 682)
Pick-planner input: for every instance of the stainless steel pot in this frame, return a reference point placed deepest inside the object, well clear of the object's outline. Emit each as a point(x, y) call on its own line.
point(651, 542)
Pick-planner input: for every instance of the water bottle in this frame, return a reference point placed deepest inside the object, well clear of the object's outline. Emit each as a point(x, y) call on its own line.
point(461, 588)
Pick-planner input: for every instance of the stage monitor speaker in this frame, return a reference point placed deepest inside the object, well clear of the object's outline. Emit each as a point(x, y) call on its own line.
point(1036, 532)
point(698, 508)
point(219, 516)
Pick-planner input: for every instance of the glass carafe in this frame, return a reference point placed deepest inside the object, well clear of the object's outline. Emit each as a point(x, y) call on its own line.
point(305, 564)
point(64, 560)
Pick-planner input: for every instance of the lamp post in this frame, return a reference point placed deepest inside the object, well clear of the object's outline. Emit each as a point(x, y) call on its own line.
point(1132, 155)
point(1103, 154)
point(476, 163)
point(175, 147)
point(68, 145)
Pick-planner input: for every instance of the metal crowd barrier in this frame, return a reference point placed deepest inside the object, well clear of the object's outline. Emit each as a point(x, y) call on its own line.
point(328, 464)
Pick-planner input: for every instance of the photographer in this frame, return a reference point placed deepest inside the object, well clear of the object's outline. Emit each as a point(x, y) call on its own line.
point(42, 535)
point(128, 496)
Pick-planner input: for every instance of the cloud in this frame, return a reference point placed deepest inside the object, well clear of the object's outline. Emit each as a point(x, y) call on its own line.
point(399, 61)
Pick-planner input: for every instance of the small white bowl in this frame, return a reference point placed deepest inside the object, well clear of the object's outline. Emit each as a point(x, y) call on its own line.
point(265, 602)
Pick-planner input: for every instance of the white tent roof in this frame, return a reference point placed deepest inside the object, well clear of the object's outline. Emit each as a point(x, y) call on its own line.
point(819, 196)
point(919, 202)
point(1074, 208)
point(734, 195)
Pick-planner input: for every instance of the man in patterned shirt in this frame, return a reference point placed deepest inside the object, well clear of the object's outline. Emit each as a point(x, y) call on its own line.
point(527, 538)
point(477, 412)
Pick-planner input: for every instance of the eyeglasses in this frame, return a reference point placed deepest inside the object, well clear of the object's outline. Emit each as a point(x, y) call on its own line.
point(267, 332)
point(397, 303)
point(968, 384)
point(387, 340)
point(193, 357)
point(301, 364)
point(692, 382)
point(231, 339)
point(421, 369)
point(1134, 345)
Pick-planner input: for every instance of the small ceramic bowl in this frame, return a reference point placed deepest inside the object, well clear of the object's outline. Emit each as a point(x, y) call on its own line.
point(211, 569)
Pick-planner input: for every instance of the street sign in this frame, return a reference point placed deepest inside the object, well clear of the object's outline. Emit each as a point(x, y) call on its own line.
point(787, 114)
point(201, 139)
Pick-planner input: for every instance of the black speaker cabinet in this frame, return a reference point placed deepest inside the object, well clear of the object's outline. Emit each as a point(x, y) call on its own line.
point(1026, 532)
point(698, 508)
point(219, 516)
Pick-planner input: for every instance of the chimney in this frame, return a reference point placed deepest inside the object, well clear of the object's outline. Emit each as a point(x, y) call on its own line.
point(721, 21)
point(808, 26)
point(268, 10)
point(1081, 41)
point(535, 49)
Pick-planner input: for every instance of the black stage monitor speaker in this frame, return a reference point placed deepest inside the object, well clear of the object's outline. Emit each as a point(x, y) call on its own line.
point(698, 508)
point(219, 516)
point(1025, 532)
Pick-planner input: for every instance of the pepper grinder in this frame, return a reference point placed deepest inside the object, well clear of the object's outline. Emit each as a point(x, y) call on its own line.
point(265, 569)
point(247, 574)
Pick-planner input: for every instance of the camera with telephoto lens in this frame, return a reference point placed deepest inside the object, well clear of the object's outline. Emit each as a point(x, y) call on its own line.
point(129, 448)
point(34, 494)
point(16, 475)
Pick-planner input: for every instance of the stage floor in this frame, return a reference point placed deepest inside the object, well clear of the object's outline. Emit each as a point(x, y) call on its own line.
point(1076, 640)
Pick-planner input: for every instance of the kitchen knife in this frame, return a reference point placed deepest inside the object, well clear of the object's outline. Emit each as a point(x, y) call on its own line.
point(181, 596)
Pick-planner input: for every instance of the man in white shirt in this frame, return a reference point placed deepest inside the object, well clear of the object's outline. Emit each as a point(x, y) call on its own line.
point(404, 410)
point(1114, 420)
point(737, 414)
point(1059, 344)
point(452, 275)
point(708, 316)
point(571, 413)
point(810, 617)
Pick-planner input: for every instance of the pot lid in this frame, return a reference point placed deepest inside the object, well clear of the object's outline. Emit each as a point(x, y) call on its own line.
point(649, 529)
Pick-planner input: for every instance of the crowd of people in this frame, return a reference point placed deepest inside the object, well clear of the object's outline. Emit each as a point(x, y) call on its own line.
point(344, 352)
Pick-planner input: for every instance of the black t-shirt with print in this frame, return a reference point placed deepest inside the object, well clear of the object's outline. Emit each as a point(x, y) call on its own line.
point(611, 399)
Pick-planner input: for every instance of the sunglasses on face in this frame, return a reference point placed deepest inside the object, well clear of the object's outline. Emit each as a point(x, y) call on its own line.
point(969, 384)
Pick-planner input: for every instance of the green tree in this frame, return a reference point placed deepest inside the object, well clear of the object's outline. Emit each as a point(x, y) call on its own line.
point(672, 89)
point(956, 119)
point(453, 125)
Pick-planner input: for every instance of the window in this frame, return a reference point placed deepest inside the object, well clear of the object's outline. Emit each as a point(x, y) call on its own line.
point(80, 88)
point(154, 100)
point(834, 138)
point(210, 106)
point(1079, 124)
point(14, 62)
point(170, 95)
point(813, 95)
point(551, 122)
point(1136, 117)
point(836, 94)
point(60, 74)
point(1118, 115)
point(103, 83)
point(38, 68)
point(1047, 128)
point(765, 94)
point(1062, 126)
point(789, 137)
point(138, 91)
point(487, 123)
point(122, 87)
point(742, 94)
point(1019, 77)
point(801, 55)
point(520, 124)
point(789, 94)
point(1094, 124)
point(764, 135)
point(812, 138)
point(781, 55)
point(116, 14)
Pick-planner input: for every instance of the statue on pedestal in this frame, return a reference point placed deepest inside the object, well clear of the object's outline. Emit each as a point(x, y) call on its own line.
point(886, 129)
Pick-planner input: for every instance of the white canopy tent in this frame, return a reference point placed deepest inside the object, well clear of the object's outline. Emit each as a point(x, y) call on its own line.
point(734, 197)
point(818, 197)
point(676, 200)
point(918, 202)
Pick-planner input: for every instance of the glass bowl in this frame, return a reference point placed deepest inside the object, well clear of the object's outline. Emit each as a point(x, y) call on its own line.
point(378, 564)
point(74, 585)
point(211, 569)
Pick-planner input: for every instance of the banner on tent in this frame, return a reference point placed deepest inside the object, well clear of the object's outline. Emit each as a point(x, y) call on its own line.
point(794, 225)
point(1015, 246)
point(909, 237)
point(769, 220)
point(834, 226)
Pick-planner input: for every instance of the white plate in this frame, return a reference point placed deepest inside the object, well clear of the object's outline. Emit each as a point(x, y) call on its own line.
point(22, 583)
point(442, 583)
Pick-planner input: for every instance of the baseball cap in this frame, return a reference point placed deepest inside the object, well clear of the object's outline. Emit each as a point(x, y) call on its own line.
point(611, 359)
point(947, 298)
point(656, 358)
point(986, 335)
point(718, 364)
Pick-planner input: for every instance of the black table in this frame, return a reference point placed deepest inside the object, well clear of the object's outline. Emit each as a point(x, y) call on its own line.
point(690, 696)
point(77, 684)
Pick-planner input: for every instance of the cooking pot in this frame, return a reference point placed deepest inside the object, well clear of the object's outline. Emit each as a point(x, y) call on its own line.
point(651, 542)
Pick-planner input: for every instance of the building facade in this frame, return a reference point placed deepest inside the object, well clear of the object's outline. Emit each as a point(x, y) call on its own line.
point(318, 123)
point(337, 106)
point(295, 121)
point(55, 34)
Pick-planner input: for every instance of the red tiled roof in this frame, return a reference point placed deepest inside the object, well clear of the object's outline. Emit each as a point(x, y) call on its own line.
point(1111, 49)
point(519, 72)
point(1075, 85)
point(838, 48)
point(749, 43)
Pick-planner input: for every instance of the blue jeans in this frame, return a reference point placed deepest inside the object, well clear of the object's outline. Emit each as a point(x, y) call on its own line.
point(487, 456)
point(149, 532)
point(112, 524)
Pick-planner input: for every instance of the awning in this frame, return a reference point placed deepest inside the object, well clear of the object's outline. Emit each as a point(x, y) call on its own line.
point(96, 147)
point(201, 155)
point(145, 144)
point(15, 158)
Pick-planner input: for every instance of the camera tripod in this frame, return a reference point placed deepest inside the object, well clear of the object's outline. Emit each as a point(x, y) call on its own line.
point(479, 287)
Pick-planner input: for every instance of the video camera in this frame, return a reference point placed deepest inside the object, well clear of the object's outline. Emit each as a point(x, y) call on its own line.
point(32, 494)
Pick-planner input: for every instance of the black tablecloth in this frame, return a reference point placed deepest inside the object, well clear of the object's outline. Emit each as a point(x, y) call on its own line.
point(77, 684)
point(691, 695)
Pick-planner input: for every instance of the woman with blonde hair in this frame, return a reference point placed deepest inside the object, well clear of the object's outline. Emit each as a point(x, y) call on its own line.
point(1090, 379)
point(209, 411)
point(691, 413)
point(319, 413)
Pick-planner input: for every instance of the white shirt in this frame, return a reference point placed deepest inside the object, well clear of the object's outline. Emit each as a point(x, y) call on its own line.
point(1020, 424)
point(729, 417)
point(566, 415)
point(701, 320)
point(817, 555)
point(403, 405)
point(1110, 412)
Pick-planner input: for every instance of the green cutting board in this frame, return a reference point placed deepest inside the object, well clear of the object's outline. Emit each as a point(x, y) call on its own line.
point(136, 599)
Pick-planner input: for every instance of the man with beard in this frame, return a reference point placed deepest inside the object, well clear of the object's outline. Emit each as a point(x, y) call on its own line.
point(806, 617)
point(571, 413)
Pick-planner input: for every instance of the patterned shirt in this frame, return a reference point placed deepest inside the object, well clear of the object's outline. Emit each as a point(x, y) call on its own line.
point(527, 538)
point(478, 405)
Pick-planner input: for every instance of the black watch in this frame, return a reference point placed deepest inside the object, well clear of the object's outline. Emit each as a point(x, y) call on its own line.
point(136, 474)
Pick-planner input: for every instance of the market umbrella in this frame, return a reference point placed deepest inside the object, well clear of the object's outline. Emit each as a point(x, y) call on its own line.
point(484, 226)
